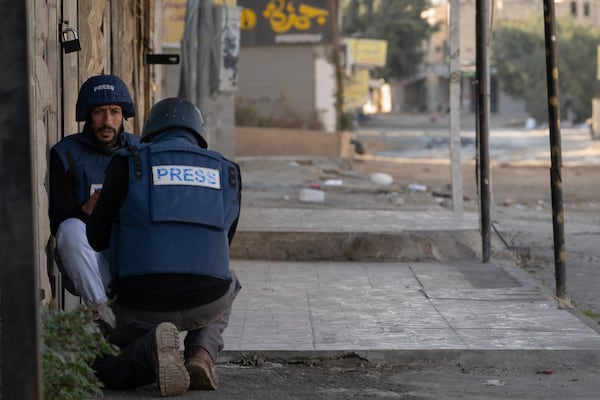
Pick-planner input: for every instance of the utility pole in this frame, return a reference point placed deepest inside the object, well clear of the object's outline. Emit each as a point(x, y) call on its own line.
point(21, 366)
point(555, 150)
point(205, 39)
point(455, 106)
point(483, 133)
point(339, 79)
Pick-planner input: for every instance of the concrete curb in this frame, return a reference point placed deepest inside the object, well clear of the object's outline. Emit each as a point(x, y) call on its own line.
point(357, 246)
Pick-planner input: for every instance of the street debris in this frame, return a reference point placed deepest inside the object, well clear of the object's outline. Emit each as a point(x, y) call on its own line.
point(494, 382)
point(381, 178)
point(334, 182)
point(416, 187)
point(547, 371)
point(309, 195)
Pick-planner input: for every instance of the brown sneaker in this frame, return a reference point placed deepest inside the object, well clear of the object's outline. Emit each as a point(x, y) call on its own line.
point(202, 370)
point(171, 376)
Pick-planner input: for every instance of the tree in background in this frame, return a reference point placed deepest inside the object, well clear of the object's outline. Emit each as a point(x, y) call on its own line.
point(519, 57)
point(397, 21)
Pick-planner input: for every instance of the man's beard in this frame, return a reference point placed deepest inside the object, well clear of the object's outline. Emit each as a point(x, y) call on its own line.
point(110, 143)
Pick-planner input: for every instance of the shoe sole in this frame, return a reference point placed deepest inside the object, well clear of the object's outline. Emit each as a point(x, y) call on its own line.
point(201, 375)
point(172, 376)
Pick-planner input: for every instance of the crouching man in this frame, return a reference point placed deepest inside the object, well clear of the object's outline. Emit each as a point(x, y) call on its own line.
point(167, 214)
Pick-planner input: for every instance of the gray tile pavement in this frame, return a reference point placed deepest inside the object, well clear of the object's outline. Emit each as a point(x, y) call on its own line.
point(349, 306)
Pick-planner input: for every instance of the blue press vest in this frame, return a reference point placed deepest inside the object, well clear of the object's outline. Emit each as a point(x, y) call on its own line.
point(181, 202)
point(80, 156)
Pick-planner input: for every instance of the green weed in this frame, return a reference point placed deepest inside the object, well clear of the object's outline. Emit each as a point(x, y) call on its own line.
point(70, 343)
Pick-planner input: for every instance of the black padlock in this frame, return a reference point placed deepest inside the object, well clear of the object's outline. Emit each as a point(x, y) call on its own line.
point(69, 46)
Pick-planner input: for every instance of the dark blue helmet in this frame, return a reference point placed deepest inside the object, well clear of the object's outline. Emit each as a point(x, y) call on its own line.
point(174, 112)
point(101, 90)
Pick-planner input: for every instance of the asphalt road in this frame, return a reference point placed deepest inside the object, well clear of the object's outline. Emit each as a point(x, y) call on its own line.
point(407, 136)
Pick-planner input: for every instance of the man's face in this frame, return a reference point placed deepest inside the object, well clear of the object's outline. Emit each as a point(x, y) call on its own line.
point(106, 122)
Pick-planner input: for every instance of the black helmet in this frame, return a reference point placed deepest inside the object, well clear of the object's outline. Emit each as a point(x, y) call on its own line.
point(100, 90)
point(174, 112)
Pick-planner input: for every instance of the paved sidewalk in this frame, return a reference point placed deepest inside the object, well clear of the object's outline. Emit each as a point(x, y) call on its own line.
point(386, 307)
point(434, 301)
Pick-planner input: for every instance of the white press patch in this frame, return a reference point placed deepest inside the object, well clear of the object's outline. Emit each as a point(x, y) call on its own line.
point(186, 175)
point(104, 86)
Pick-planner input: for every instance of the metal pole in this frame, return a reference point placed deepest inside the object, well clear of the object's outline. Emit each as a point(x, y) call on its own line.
point(455, 83)
point(21, 369)
point(482, 78)
point(205, 41)
point(555, 149)
point(339, 81)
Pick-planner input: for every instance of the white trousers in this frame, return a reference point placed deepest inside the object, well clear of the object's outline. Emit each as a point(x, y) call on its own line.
point(87, 268)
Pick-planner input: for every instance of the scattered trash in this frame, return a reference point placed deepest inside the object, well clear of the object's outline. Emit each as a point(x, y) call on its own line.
point(358, 147)
point(442, 194)
point(381, 178)
point(305, 162)
point(530, 123)
point(334, 182)
point(416, 187)
point(309, 195)
point(493, 382)
point(547, 371)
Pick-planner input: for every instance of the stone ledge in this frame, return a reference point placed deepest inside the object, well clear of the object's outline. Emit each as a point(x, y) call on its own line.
point(253, 141)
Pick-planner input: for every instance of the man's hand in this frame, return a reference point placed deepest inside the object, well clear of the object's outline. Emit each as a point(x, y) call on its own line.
point(89, 205)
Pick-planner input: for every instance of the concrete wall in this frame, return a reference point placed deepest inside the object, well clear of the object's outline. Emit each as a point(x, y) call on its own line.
point(277, 79)
point(251, 141)
point(288, 82)
point(113, 38)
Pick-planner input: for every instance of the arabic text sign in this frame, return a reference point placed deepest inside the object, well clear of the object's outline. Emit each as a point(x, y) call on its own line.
point(367, 52)
point(267, 22)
